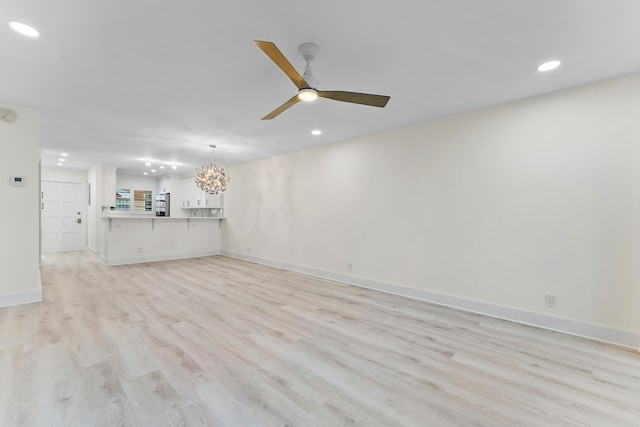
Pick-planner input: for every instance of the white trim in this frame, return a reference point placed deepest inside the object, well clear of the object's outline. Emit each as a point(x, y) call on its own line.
point(545, 321)
point(92, 252)
point(153, 258)
point(9, 300)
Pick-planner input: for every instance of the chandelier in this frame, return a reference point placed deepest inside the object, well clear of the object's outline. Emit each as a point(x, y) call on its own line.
point(212, 178)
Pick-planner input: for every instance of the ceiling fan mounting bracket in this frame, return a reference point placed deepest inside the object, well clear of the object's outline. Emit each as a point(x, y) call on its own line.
point(309, 51)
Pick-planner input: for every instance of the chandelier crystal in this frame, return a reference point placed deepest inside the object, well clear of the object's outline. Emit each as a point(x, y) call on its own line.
point(212, 178)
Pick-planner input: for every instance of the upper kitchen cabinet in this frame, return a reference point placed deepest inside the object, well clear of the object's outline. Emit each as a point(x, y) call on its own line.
point(192, 196)
point(214, 200)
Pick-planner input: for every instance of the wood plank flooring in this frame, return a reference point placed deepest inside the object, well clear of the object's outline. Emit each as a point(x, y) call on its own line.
point(220, 342)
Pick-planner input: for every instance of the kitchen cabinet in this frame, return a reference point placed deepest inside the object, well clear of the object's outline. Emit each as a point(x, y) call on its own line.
point(193, 197)
point(214, 200)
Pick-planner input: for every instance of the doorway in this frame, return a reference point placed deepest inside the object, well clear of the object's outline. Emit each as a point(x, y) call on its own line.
point(63, 221)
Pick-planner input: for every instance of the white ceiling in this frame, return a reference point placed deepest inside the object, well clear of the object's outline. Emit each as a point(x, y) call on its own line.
point(119, 81)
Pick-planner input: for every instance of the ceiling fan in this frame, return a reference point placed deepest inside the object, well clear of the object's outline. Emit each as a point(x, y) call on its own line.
point(308, 85)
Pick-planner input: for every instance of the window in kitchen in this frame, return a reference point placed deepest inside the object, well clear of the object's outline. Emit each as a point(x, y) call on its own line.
point(123, 199)
point(134, 201)
point(143, 201)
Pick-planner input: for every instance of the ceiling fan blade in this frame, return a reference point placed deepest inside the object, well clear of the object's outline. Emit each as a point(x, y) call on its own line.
point(355, 97)
point(276, 56)
point(283, 107)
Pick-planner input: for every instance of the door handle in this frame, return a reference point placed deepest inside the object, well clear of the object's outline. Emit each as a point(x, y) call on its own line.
point(79, 220)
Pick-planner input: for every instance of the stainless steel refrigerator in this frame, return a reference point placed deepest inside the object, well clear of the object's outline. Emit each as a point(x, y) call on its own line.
point(163, 204)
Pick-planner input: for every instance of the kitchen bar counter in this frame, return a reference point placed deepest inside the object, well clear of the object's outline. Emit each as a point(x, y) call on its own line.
point(130, 239)
point(160, 217)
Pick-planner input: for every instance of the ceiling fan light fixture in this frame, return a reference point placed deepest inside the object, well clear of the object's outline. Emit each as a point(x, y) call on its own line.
point(308, 95)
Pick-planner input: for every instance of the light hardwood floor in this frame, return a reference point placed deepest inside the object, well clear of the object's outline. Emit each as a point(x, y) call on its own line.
point(221, 342)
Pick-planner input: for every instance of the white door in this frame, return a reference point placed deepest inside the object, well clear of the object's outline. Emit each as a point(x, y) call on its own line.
point(62, 218)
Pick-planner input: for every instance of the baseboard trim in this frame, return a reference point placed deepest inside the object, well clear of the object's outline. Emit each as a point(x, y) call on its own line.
point(92, 252)
point(9, 300)
point(572, 327)
point(153, 258)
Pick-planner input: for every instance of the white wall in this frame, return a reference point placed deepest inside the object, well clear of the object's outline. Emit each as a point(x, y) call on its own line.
point(137, 181)
point(63, 175)
point(487, 210)
point(20, 225)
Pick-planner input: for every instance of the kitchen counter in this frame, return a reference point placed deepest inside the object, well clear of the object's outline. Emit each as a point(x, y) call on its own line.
point(161, 217)
point(130, 239)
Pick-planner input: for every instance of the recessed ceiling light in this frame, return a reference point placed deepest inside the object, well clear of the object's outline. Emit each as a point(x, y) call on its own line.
point(145, 173)
point(153, 170)
point(64, 154)
point(316, 132)
point(148, 163)
point(24, 29)
point(549, 65)
point(59, 164)
point(173, 167)
point(61, 160)
point(161, 167)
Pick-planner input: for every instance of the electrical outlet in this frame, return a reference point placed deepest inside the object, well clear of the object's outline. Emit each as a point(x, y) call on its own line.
point(139, 250)
point(550, 300)
point(350, 266)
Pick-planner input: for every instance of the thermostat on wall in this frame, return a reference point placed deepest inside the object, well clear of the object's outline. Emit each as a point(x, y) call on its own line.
point(17, 180)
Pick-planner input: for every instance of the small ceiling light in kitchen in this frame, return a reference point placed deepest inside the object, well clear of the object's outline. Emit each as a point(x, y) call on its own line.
point(316, 132)
point(24, 29)
point(212, 178)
